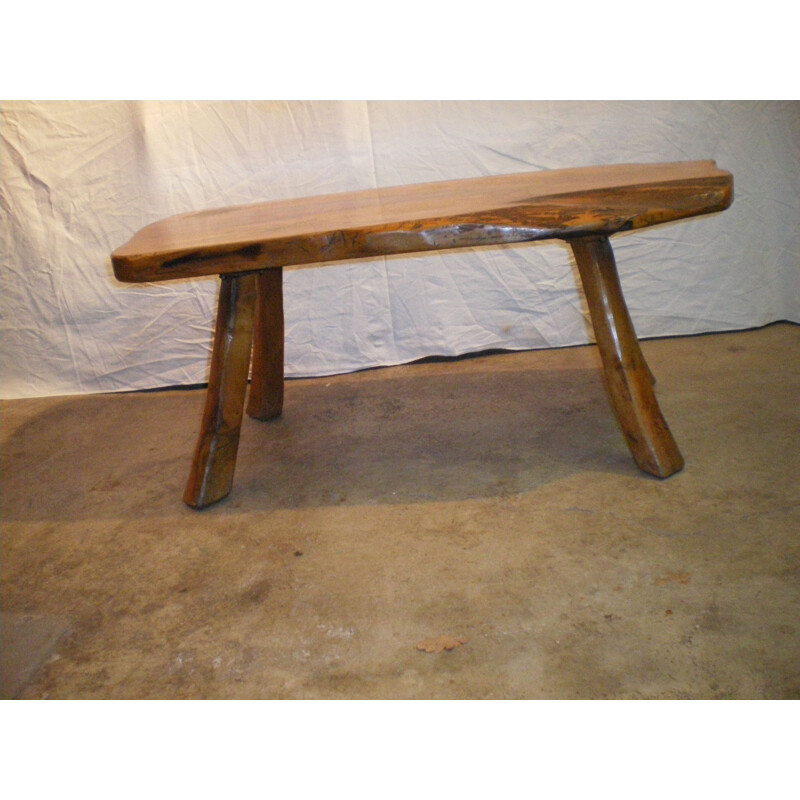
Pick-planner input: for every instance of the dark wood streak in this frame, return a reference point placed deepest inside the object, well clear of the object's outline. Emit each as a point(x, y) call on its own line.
point(249, 252)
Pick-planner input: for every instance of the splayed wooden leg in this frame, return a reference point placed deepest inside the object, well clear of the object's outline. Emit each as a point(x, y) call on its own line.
point(211, 475)
point(266, 386)
point(629, 381)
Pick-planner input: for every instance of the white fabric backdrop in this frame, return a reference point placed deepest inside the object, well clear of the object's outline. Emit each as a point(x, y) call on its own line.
point(79, 178)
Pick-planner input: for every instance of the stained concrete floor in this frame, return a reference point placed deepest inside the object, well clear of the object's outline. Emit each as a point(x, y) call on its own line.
point(490, 500)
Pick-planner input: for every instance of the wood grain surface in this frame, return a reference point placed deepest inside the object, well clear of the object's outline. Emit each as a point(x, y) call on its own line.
point(266, 387)
point(214, 462)
point(248, 245)
point(629, 382)
point(430, 216)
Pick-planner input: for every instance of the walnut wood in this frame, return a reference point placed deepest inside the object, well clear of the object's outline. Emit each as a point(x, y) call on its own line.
point(266, 386)
point(211, 475)
point(629, 382)
point(248, 245)
point(430, 216)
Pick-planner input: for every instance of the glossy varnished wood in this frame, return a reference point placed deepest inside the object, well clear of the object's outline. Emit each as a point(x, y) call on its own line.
point(211, 475)
point(431, 216)
point(248, 245)
point(629, 382)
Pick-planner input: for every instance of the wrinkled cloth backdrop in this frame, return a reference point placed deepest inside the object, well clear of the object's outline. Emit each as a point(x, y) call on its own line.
point(79, 178)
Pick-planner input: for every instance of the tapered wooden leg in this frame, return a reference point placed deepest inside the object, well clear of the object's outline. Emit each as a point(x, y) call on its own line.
point(628, 378)
point(211, 476)
point(266, 386)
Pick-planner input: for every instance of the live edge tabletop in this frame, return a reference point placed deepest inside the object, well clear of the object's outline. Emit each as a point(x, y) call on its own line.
point(248, 245)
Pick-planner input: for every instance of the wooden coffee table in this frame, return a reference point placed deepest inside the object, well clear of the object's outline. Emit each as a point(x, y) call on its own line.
point(247, 246)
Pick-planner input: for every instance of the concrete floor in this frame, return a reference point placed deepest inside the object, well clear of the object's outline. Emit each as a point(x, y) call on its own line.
point(490, 500)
